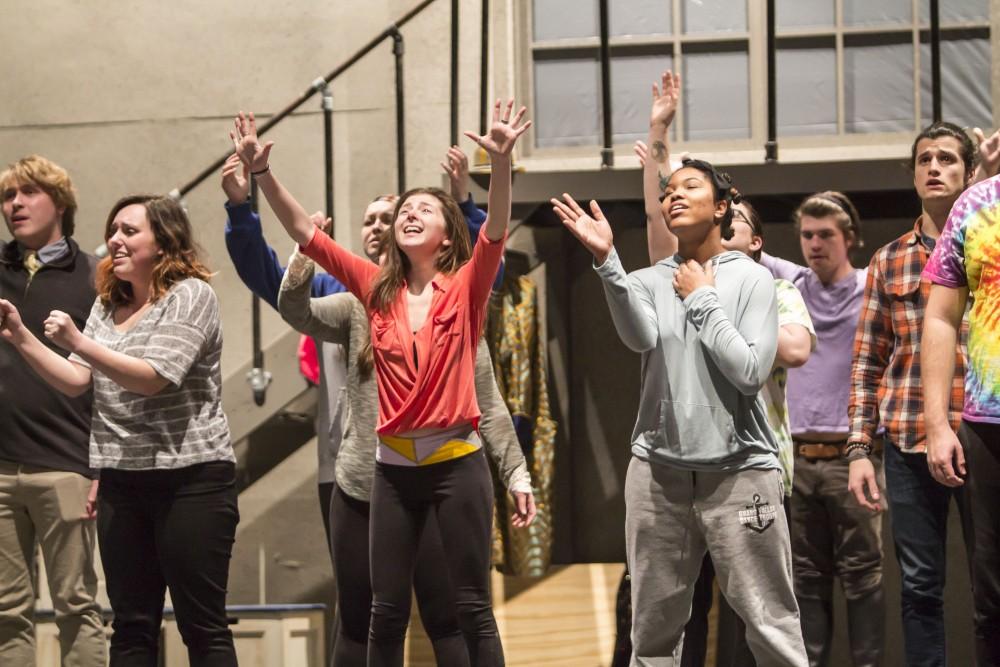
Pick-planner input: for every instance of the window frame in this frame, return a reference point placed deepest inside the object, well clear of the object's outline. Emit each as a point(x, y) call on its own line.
point(754, 38)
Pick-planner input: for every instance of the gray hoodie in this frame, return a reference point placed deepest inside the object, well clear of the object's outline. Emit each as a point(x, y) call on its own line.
point(704, 360)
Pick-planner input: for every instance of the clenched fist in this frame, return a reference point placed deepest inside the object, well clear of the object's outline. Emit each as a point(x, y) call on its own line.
point(61, 330)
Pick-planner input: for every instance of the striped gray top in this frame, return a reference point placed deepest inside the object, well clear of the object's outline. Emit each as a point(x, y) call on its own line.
point(180, 336)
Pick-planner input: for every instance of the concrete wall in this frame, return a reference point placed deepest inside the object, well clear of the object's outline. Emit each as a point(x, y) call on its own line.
point(138, 96)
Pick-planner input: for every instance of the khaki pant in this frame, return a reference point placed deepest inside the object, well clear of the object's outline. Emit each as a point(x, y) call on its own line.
point(834, 537)
point(46, 507)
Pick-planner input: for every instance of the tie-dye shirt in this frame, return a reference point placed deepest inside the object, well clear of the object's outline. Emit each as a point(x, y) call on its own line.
point(968, 255)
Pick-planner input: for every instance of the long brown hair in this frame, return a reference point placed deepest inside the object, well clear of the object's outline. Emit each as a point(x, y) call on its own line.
point(179, 255)
point(395, 263)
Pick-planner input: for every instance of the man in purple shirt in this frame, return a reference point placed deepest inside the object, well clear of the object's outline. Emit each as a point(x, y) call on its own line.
point(832, 536)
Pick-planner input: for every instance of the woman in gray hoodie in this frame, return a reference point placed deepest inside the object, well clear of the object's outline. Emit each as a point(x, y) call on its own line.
point(705, 474)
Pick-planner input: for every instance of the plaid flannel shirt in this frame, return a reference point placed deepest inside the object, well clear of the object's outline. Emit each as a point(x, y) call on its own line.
point(885, 374)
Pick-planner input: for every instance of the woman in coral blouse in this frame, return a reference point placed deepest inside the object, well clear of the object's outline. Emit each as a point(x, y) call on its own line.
point(426, 304)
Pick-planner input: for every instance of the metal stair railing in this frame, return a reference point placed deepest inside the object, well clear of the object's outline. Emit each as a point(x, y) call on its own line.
point(258, 377)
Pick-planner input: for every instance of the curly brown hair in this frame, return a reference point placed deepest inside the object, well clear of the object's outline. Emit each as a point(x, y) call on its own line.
point(179, 258)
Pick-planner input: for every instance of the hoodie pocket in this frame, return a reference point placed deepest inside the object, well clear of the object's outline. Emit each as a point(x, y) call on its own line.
point(703, 432)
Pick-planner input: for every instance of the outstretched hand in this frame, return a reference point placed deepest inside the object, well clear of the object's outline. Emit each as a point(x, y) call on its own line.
point(235, 180)
point(665, 99)
point(989, 152)
point(641, 152)
point(248, 146)
point(593, 230)
point(456, 166)
point(503, 134)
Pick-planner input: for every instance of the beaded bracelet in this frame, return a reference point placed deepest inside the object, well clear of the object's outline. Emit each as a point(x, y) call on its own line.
point(851, 453)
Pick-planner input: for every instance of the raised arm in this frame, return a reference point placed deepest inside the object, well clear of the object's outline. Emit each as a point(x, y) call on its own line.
point(656, 167)
point(255, 156)
point(326, 318)
point(256, 262)
point(456, 167)
point(744, 351)
point(498, 143)
point(65, 376)
point(631, 305)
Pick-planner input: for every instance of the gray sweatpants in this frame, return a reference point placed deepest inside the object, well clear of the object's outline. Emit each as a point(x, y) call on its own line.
point(672, 517)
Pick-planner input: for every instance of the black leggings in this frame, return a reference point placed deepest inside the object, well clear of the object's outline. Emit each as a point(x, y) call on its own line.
point(459, 493)
point(168, 528)
point(349, 522)
point(981, 442)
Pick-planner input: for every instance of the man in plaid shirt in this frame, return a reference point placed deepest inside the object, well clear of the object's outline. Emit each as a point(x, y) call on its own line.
point(886, 388)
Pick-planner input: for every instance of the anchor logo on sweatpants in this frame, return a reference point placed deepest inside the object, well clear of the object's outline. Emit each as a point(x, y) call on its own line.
point(758, 515)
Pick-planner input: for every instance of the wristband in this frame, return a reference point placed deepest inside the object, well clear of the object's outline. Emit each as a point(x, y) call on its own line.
point(857, 450)
point(262, 171)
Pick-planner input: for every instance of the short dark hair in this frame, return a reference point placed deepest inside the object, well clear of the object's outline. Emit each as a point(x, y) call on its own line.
point(945, 129)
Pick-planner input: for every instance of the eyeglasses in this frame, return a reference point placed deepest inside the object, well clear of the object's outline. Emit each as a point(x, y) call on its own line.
point(742, 216)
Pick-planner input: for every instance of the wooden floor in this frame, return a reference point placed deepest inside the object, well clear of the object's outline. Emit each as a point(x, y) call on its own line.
point(565, 619)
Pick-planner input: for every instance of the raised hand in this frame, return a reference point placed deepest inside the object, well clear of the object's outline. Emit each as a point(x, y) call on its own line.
point(456, 165)
point(499, 140)
point(248, 146)
point(593, 230)
point(236, 180)
point(61, 330)
point(691, 275)
point(665, 99)
point(321, 221)
point(641, 152)
point(989, 152)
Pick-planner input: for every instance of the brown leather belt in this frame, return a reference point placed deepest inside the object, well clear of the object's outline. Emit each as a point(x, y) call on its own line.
point(820, 451)
point(825, 451)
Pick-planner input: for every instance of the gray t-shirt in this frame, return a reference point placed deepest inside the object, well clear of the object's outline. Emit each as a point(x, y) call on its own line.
point(180, 336)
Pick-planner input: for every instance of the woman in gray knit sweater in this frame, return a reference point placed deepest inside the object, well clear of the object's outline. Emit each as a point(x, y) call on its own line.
point(341, 319)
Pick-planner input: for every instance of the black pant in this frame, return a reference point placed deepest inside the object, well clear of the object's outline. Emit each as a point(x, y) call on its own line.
point(459, 493)
point(349, 522)
point(168, 528)
point(982, 459)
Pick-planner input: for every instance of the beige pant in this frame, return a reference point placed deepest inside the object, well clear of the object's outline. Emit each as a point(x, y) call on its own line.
point(46, 507)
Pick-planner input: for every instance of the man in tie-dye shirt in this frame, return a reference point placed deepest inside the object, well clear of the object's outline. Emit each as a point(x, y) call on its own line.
point(965, 268)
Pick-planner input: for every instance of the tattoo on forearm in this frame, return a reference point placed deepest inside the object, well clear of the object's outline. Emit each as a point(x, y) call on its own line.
point(664, 180)
point(658, 151)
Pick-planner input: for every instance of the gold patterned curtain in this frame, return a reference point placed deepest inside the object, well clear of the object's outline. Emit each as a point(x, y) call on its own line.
point(514, 335)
